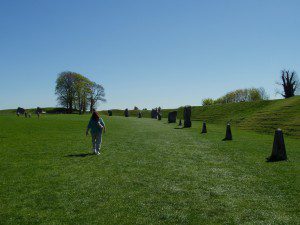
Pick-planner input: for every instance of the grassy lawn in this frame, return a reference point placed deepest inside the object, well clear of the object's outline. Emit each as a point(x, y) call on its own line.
point(148, 173)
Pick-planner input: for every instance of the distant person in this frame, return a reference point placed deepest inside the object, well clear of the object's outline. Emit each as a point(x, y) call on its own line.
point(97, 127)
point(38, 114)
point(26, 114)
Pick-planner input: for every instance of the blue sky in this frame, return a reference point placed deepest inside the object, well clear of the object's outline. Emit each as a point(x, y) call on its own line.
point(146, 53)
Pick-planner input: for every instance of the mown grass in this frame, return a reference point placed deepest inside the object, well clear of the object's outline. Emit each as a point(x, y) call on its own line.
point(148, 173)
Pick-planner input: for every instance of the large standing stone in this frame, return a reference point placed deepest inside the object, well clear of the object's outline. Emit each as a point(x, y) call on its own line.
point(278, 151)
point(154, 113)
point(204, 130)
point(109, 112)
point(172, 117)
point(126, 113)
point(187, 112)
point(228, 136)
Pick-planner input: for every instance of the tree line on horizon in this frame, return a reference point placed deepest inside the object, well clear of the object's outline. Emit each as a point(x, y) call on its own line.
point(76, 92)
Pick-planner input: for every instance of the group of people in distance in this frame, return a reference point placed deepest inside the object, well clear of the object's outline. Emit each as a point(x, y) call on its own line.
point(28, 114)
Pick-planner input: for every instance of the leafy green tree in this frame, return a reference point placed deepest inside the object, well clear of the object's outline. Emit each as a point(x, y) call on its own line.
point(95, 95)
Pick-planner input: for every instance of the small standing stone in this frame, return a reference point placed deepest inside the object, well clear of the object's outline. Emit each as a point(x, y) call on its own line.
point(139, 115)
point(26, 114)
point(228, 136)
point(187, 112)
point(109, 112)
point(126, 113)
point(278, 151)
point(204, 130)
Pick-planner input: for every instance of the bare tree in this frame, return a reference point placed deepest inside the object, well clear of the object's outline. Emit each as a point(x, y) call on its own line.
point(289, 83)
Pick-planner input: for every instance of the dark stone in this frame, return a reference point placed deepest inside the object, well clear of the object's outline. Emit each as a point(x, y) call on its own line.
point(20, 110)
point(172, 117)
point(139, 115)
point(109, 112)
point(180, 123)
point(154, 113)
point(126, 113)
point(204, 130)
point(26, 114)
point(228, 136)
point(187, 112)
point(278, 151)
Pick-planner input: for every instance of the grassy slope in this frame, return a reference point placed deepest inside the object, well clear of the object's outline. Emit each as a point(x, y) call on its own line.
point(262, 116)
point(148, 173)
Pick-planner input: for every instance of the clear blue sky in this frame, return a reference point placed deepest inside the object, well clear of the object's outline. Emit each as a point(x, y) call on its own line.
point(146, 52)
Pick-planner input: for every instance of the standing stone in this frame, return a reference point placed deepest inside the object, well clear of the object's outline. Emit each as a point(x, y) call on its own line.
point(139, 115)
point(154, 113)
point(172, 117)
point(187, 112)
point(126, 113)
point(180, 123)
point(278, 151)
point(228, 136)
point(204, 130)
point(25, 114)
point(109, 112)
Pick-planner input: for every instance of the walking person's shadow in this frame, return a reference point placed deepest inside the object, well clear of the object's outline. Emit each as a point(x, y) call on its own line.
point(80, 155)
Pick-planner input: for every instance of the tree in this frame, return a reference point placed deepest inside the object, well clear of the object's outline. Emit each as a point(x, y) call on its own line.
point(82, 90)
point(207, 101)
point(65, 90)
point(289, 83)
point(96, 94)
point(75, 91)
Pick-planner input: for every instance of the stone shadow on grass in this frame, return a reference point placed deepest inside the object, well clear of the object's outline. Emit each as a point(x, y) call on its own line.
point(80, 155)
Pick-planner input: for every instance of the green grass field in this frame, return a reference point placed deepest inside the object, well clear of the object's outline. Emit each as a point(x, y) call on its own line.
point(148, 173)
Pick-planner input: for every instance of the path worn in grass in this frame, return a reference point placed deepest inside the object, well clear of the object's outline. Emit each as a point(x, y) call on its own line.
point(148, 173)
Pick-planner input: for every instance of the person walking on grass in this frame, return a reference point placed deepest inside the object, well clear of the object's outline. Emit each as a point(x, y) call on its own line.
point(97, 127)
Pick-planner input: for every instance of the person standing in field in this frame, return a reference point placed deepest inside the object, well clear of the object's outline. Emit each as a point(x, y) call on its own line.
point(97, 127)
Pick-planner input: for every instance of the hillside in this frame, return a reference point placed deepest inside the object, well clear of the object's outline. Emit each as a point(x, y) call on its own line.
point(261, 116)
